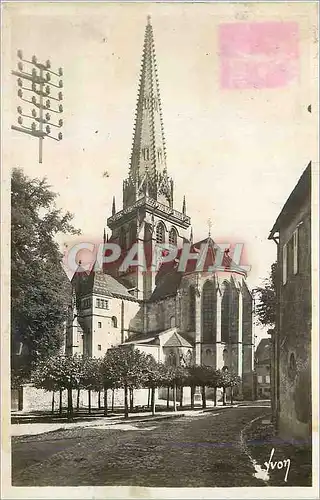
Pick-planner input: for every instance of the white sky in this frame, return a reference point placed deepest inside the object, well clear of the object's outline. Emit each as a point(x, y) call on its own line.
point(236, 155)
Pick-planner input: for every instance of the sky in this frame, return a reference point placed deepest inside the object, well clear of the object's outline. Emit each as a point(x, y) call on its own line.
point(235, 153)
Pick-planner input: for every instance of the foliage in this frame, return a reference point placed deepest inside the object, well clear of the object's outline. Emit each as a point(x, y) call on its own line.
point(126, 366)
point(59, 372)
point(91, 374)
point(39, 287)
point(266, 299)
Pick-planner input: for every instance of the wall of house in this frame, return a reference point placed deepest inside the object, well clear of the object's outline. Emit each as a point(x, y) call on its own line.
point(294, 358)
point(263, 383)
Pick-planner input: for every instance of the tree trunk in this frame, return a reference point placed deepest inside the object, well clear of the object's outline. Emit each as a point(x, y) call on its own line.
point(52, 403)
point(181, 396)
point(231, 395)
point(112, 401)
point(153, 400)
point(149, 393)
point(192, 396)
point(99, 400)
point(174, 397)
point(78, 400)
point(70, 404)
point(168, 397)
point(204, 402)
point(215, 396)
point(126, 409)
point(131, 399)
point(224, 396)
point(89, 401)
point(60, 402)
point(105, 402)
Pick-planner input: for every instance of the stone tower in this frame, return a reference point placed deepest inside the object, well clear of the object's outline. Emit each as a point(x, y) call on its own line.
point(148, 216)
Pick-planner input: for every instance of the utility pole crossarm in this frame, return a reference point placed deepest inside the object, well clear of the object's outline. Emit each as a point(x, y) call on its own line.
point(41, 86)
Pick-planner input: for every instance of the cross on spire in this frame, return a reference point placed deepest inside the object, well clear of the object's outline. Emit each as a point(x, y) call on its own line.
point(210, 224)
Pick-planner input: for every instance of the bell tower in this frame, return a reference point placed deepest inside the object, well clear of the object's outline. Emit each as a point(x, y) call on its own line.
point(148, 216)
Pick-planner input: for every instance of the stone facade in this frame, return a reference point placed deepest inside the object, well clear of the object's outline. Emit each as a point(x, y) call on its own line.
point(263, 369)
point(292, 335)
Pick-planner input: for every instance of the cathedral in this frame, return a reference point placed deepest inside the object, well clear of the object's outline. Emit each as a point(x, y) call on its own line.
point(179, 314)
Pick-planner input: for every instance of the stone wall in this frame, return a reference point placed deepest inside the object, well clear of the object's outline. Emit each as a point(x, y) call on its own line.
point(295, 331)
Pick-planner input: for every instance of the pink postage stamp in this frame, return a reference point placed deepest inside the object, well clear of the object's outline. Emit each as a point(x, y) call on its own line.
point(258, 54)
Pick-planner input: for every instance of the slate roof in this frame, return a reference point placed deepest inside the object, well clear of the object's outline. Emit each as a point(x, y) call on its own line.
point(297, 197)
point(100, 283)
point(177, 341)
point(169, 277)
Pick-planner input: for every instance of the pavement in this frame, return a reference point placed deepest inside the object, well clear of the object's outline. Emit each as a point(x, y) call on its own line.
point(27, 428)
point(199, 449)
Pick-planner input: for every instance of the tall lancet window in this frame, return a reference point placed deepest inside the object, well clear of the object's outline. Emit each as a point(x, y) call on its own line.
point(208, 308)
point(173, 237)
point(225, 313)
point(192, 309)
point(160, 233)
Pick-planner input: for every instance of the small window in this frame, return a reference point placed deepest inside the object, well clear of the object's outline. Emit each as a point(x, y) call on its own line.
point(99, 347)
point(98, 303)
point(114, 322)
point(295, 251)
point(99, 324)
point(284, 263)
point(267, 379)
point(208, 352)
point(259, 379)
point(159, 153)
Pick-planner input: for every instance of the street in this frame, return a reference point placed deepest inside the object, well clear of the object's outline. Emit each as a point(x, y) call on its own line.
point(202, 450)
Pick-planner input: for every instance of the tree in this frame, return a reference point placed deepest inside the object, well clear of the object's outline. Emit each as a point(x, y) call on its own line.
point(126, 367)
point(228, 379)
point(266, 299)
point(59, 373)
point(199, 376)
point(91, 377)
point(39, 286)
point(153, 378)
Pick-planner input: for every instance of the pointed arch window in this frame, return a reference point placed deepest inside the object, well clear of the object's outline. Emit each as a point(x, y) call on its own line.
point(208, 308)
point(173, 237)
point(192, 309)
point(160, 233)
point(159, 155)
point(225, 312)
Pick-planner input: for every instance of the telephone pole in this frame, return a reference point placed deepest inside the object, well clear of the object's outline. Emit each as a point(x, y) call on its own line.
point(35, 88)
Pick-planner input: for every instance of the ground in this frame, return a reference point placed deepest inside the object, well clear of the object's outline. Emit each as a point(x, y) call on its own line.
point(196, 450)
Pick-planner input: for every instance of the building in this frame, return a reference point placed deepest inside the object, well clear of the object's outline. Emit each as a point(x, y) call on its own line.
point(179, 316)
point(262, 369)
point(292, 335)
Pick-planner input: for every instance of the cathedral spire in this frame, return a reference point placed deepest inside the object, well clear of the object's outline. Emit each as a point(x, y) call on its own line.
point(148, 156)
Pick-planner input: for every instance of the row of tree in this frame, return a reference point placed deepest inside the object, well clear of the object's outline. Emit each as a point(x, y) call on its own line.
point(126, 368)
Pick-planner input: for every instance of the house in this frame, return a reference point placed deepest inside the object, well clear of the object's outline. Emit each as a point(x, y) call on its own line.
point(292, 335)
point(262, 369)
